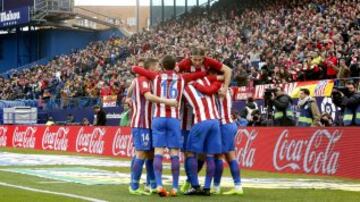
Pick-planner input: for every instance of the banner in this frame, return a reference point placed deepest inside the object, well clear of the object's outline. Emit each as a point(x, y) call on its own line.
point(317, 151)
point(14, 17)
point(321, 88)
point(242, 93)
point(109, 101)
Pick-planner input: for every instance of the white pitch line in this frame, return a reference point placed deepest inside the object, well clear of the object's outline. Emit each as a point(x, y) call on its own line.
point(51, 192)
point(52, 182)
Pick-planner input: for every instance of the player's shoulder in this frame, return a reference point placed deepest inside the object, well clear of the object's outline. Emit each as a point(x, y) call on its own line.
point(142, 79)
point(184, 63)
point(211, 61)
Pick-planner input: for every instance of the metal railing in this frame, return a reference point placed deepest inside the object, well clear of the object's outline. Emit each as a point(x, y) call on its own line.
point(69, 103)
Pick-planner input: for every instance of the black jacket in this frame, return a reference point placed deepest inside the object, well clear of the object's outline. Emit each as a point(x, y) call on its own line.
point(351, 101)
point(101, 118)
point(282, 102)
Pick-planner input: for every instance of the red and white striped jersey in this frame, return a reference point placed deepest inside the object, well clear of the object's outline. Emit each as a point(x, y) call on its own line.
point(204, 106)
point(224, 107)
point(187, 116)
point(141, 108)
point(171, 86)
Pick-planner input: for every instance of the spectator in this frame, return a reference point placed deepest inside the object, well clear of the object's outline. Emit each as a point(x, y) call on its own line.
point(50, 121)
point(326, 120)
point(125, 115)
point(70, 119)
point(100, 116)
point(85, 122)
point(343, 70)
point(309, 111)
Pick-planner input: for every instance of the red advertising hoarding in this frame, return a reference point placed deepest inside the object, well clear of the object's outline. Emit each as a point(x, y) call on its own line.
point(319, 151)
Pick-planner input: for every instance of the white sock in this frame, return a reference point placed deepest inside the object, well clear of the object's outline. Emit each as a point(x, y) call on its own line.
point(217, 188)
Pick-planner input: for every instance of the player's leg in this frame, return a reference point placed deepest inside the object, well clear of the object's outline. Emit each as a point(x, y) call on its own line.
point(194, 145)
point(235, 172)
point(158, 132)
point(173, 136)
point(186, 184)
point(142, 144)
point(175, 171)
point(219, 168)
point(212, 148)
point(229, 133)
point(150, 175)
point(201, 158)
point(149, 165)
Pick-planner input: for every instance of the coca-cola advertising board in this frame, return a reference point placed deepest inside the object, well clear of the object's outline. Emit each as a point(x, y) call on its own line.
point(317, 151)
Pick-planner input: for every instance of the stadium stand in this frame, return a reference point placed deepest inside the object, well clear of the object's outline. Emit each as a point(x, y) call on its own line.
point(262, 41)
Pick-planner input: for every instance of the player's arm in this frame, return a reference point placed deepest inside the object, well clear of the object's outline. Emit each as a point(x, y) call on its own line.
point(213, 78)
point(193, 76)
point(208, 89)
point(214, 64)
point(227, 79)
point(183, 65)
point(144, 72)
point(129, 93)
point(155, 99)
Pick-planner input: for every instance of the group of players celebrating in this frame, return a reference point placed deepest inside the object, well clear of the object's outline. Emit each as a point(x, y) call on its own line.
point(182, 107)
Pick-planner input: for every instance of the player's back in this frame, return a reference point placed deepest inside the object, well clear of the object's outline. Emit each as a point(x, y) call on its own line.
point(141, 107)
point(204, 106)
point(170, 85)
point(224, 105)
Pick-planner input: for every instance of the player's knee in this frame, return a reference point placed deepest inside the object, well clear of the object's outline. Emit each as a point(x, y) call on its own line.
point(159, 151)
point(230, 156)
point(149, 155)
point(202, 156)
point(140, 155)
point(174, 152)
point(219, 156)
point(189, 154)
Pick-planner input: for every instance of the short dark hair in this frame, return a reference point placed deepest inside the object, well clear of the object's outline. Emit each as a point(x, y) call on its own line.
point(197, 51)
point(149, 61)
point(350, 83)
point(305, 90)
point(168, 62)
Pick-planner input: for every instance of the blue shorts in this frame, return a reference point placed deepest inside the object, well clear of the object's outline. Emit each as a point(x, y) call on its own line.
point(228, 132)
point(142, 139)
point(205, 137)
point(166, 133)
point(184, 137)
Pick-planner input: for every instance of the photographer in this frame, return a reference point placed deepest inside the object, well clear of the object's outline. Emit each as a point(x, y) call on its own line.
point(284, 115)
point(250, 107)
point(349, 101)
point(309, 111)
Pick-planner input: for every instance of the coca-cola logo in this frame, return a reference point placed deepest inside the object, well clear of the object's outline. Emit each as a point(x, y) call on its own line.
point(3, 137)
point(122, 145)
point(90, 142)
point(245, 153)
point(24, 139)
point(312, 155)
point(57, 140)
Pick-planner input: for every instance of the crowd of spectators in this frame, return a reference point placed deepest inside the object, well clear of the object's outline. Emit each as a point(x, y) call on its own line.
point(95, 71)
point(262, 41)
point(266, 41)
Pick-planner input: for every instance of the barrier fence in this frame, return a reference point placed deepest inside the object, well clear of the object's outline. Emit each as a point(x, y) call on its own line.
point(316, 151)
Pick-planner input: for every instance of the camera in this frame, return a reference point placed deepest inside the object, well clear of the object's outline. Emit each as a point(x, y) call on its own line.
point(268, 94)
point(337, 95)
